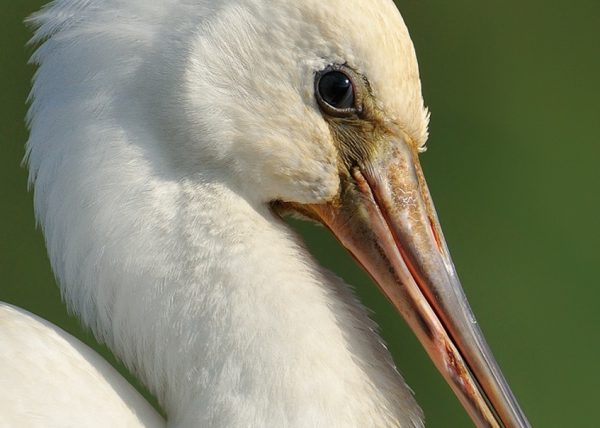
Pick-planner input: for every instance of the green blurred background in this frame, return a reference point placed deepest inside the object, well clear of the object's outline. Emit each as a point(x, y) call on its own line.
point(513, 167)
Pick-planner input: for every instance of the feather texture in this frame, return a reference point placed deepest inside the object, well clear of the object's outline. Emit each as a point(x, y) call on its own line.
point(160, 130)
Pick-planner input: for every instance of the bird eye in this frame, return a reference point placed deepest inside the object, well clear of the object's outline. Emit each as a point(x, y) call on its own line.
point(335, 92)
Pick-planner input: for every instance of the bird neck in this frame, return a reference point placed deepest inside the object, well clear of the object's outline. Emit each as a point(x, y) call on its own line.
point(216, 305)
point(227, 319)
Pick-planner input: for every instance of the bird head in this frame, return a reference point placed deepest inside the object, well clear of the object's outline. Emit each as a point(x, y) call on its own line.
point(253, 89)
point(309, 107)
point(316, 108)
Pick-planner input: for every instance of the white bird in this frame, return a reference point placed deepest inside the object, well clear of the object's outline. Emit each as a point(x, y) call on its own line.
point(167, 139)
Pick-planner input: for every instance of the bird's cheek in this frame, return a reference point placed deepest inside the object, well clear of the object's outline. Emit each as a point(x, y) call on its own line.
point(292, 167)
point(315, 182)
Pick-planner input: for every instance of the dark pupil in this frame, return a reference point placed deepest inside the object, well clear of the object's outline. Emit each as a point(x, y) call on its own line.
point(336, 90)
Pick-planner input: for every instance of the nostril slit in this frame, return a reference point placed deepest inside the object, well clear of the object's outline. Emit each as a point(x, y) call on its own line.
point(438, 241)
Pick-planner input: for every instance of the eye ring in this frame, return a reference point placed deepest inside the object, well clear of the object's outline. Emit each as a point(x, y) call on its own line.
point(336, 92)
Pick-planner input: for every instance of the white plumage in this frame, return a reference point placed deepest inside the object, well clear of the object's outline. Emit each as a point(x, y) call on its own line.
point(161, 131)
point(49, 379)
point(158, 131)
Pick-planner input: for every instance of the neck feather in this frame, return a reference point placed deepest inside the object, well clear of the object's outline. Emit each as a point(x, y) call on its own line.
point(211, 300)
point(221, 312)
point(204, 294)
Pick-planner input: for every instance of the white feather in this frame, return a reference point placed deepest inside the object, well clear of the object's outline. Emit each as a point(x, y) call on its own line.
point(160, 130)
point(49, 379)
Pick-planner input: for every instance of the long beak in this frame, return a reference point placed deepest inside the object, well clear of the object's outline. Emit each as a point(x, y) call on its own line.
point(385, 218)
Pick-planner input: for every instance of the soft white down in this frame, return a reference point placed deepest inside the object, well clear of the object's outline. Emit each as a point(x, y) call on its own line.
point(160, 131)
